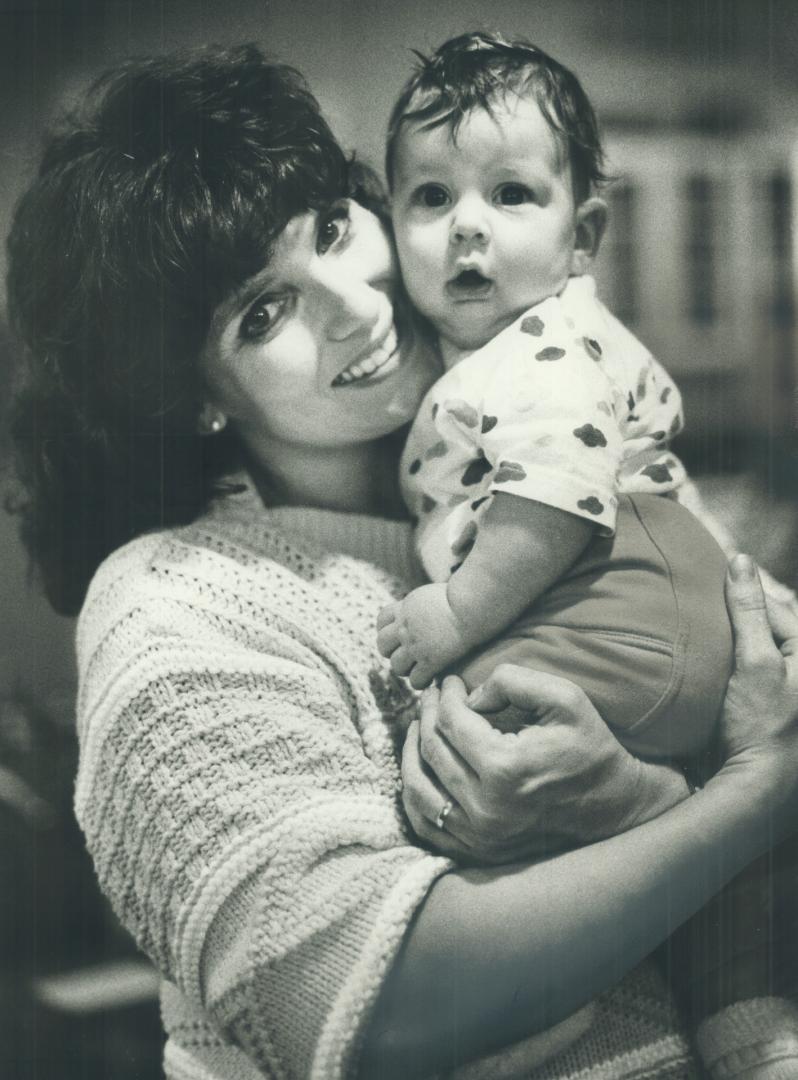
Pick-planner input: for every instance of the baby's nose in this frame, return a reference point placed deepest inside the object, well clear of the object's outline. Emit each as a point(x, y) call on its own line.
point(469, 221)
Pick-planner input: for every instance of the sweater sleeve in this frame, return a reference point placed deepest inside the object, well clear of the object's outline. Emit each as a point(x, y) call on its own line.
point(242, 817)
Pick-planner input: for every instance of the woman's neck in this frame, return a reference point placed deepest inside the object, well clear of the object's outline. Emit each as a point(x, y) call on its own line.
point(358, 478)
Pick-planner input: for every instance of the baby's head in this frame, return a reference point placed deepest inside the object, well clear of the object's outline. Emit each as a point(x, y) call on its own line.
point(493, 158)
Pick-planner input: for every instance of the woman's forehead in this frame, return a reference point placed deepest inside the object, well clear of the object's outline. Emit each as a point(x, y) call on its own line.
point(290, 247)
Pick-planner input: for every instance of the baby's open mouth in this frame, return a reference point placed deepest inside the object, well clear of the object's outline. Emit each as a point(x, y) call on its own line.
point(469, 284)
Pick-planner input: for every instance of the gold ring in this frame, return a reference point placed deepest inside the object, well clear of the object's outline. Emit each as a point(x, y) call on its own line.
point(446, 809)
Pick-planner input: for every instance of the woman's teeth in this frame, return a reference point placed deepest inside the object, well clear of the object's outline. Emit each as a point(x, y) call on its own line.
point(375, 361)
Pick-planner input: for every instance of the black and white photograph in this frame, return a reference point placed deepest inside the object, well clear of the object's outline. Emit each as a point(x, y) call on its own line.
point(399, 529)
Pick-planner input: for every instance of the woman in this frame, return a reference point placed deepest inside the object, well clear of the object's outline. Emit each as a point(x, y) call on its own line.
point(198, 294)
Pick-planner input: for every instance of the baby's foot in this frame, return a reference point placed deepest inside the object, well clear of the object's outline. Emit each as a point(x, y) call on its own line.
point(421, 635)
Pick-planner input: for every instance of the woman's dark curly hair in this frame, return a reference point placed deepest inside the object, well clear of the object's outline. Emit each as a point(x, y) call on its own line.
point(152, 203)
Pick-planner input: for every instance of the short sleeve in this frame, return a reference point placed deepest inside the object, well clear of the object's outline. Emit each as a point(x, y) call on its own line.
point(548, 426)
point(647, 405)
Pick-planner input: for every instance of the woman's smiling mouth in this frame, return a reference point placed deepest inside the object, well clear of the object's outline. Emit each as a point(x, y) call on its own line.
point(386, 355)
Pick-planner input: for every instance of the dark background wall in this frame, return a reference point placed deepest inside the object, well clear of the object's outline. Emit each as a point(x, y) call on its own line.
point(664, 63)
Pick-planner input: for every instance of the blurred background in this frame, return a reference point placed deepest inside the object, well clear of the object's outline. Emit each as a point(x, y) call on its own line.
point(698, 102)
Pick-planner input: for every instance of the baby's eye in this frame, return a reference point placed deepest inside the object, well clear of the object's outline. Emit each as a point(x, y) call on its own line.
point(514, 194)
point(262, 318)
point(333, 227)
point(431, 195)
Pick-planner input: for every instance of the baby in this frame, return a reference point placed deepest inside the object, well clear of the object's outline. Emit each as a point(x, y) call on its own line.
point(537, 463)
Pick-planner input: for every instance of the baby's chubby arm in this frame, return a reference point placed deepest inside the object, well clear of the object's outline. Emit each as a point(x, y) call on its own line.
point(522, 547)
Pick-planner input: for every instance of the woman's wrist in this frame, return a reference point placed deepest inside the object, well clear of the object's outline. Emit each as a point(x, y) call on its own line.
point(767, 785)
point(659, 787)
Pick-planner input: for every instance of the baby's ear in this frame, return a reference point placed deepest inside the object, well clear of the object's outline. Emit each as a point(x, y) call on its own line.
point(591, 220)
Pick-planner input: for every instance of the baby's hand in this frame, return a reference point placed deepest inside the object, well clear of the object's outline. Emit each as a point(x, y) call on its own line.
point(421, 635)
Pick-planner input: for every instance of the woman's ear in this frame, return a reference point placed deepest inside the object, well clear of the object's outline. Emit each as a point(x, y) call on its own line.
point(591, 221)
point(210, 420)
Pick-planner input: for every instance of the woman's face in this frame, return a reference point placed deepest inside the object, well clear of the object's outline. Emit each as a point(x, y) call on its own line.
point(307, 351)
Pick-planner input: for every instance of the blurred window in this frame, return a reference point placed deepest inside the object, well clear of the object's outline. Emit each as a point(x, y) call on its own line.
point(623, 252)
point(701, 196)
point(779, 198)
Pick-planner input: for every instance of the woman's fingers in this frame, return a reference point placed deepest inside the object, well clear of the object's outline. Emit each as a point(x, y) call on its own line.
point(783, 619)
point(454, 774)
point(753, 637)
point(424, 800)
point(537, 693)
point(761, 707)
point(470, 736)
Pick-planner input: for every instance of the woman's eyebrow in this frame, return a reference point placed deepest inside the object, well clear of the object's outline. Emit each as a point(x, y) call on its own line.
point(248, 291)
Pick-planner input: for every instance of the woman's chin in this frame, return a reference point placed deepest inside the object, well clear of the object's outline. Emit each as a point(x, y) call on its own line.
point(391, 396)
point(416, 371)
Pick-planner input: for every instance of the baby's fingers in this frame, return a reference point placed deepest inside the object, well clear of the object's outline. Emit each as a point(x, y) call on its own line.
point(388, 640)
point(387, 615)
point(402, 661)
point(421, 676)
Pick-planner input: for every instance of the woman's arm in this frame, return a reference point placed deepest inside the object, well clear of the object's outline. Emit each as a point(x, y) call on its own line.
point(492, 957)
point(495, 956)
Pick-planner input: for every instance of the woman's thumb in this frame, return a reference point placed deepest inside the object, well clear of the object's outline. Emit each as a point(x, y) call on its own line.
point(534, 692)
point(488, 697)
point(747, 611)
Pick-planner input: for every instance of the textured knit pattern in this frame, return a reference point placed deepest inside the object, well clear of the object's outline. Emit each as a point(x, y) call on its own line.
point(565, 407)
point(233, 756)
point(238, 786)
point(752, 1040)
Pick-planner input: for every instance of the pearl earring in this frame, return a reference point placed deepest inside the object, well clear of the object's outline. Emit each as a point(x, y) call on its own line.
point(209, 424)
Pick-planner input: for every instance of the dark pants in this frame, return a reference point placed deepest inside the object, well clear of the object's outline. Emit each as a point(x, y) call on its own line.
point(640, 623)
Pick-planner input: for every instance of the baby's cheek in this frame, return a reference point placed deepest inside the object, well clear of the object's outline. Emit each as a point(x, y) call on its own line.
point(424, 253)
point(421, 274)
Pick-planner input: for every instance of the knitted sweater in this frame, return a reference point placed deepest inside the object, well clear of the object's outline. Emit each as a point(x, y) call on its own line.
point(239, 786)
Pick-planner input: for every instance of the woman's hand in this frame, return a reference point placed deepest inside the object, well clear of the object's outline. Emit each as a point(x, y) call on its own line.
point(562, 782)
point(777, 594)
point(758, 722)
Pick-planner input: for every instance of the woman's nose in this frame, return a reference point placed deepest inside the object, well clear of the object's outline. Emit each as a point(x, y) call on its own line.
point(353, 307)
point(469, 221)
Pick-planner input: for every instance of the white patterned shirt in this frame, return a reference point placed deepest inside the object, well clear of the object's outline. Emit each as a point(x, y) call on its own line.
point(565, 406)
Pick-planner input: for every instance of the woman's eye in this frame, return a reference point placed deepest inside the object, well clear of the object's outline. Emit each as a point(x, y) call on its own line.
point(333, 226)
point(261, 318)
point(514, 194)
point(432, 195)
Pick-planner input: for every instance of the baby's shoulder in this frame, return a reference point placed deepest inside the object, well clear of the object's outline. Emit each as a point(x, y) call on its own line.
point(622, 354)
